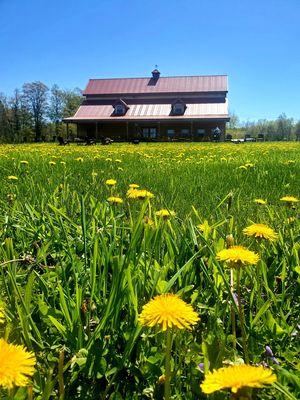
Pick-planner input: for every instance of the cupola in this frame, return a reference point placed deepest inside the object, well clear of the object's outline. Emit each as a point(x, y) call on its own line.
point(155, 73)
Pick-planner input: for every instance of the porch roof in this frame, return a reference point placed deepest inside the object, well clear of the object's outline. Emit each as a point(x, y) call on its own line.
point(148, 112)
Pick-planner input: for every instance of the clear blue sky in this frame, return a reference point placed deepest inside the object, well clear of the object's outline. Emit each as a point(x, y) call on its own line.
point(69, 41)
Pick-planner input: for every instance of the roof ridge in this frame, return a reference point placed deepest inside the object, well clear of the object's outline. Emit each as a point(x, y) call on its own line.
point(161, 77)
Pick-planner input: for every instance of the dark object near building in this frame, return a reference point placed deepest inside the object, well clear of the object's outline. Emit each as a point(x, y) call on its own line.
point(181, 108)
point(260, 137)
point(228, 138)
point(106, 141)
point(62, 141)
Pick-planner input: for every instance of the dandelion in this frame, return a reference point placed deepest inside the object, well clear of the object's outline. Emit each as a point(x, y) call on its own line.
point(52, 163)
point(80, 159)
point(237, 256)
point(148, 221)
point(261, 231)
point(115, 200)
point(110, 182)
point(289, 199)
point(134, 186)
point(139, 194)
point(165, 214)
point(260, 202)
point(205, 227)
point(168, 311)
point(236, 377)
point(24, 162)
point(12, 178)
point(242, 167)
point(16, 365)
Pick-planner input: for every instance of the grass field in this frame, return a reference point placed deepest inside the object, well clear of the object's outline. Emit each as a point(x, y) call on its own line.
point(77, 269)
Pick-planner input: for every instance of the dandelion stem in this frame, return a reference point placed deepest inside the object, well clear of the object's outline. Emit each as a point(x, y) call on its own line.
point(232, 312)
point(241, 316)
point(168, 364)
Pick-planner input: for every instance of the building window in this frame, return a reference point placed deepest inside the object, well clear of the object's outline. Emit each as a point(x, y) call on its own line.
point(185, 132)
point(119, 109)
point(200, 132)
point(178, 108)
point(149, 133)
point(170, 133)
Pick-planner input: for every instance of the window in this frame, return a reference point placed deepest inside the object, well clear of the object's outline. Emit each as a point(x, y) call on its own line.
point(119, 109)
point(170, 133)
point(200, 132)
point(185, 132)
point(178, 108)
point(149, 133)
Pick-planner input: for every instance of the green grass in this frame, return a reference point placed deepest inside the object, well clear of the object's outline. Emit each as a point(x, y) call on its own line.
point(76, 270)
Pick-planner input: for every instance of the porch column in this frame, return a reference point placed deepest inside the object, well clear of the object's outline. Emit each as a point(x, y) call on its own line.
point(67, 130)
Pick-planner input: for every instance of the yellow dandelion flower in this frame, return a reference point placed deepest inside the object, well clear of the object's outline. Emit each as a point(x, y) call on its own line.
point(237, 256)
point(12, 178)
point(115, 200)
point(148, 221)
point(236, 377)
point(134, 186)
point(111, 182)
point(289, 199)
point(63, 163)
point(168, 311)
point(80, 159)
point(261, 231)
point(139, 194)
point(52, 163)
point(205, 227)
point(242, 167)
point(260, 202)
point(165, 214)
point(24, 162)
point(16, 365)
point(120, 169)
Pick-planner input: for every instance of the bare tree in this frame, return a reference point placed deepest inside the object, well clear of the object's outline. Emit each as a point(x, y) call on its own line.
point(35, 95)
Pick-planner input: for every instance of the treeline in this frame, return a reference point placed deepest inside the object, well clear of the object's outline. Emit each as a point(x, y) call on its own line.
point(35, 112)
point(282, 128)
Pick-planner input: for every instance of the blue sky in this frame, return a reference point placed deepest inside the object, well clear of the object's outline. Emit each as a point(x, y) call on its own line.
point(69, 41)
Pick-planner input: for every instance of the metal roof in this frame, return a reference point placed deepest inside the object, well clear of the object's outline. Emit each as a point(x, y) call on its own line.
point(150, 111)
point(176, 84)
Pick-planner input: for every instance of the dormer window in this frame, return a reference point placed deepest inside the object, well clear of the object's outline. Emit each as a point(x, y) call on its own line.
point(120, 108)
point(178, 108)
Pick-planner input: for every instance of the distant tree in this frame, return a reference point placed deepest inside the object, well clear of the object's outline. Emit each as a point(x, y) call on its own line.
point(234, 120)
point(56, 107)
point(284, 126)
point(35, 96)
point(5, 128)
point(297, 130)
point(72, 100)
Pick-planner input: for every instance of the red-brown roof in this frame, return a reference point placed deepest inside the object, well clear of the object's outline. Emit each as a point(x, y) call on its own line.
point(176, 84)
point(149, 112)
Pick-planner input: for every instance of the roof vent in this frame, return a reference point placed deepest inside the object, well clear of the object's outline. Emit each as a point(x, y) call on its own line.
point(155, 73)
